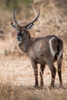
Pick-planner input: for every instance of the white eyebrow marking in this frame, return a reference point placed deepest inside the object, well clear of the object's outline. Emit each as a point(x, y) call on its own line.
point(22, 31)
point(51, 48)
point(18, 31)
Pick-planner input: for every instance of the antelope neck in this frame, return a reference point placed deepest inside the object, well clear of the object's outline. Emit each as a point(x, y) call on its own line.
point(24, 45)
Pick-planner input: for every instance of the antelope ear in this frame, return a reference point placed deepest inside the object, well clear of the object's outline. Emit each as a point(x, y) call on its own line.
point(13, 26)
point(29, 27)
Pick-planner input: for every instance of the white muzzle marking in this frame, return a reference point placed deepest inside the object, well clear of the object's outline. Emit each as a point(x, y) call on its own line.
point(19, 42)
point(51, 48)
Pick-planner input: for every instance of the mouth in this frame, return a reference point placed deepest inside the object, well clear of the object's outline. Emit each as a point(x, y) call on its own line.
point(19, 42)
point(19, 38)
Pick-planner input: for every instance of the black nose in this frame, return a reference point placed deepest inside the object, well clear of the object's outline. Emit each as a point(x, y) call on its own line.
point(18, 38)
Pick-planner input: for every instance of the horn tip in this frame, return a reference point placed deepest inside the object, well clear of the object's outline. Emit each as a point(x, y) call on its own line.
point(11, 23)
point(39, 11)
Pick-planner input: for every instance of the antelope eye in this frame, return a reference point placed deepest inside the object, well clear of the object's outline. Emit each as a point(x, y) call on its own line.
point(22, 31)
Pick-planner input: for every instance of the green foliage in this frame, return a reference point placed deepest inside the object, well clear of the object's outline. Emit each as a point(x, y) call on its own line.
point(26, 1)
point(6, 52)
point(9, 4)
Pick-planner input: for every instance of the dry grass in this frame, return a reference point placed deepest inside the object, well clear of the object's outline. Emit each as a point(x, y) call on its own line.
point(11, 92)
point(16, 81)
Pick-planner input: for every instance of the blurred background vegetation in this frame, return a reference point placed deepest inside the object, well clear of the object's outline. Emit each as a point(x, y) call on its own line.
point(6, 8)
point(53, 15)
point(9, 4)
point(24, 8)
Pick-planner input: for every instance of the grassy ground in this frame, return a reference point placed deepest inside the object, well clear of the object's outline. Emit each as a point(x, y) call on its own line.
point(11, 92)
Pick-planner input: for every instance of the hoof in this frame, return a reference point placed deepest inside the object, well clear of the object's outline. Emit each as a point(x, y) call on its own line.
point(41, 86)
point(36, 86)
point(62, 87)
point(51, 87)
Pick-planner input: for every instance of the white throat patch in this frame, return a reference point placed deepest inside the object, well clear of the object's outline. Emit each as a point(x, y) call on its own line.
point(51, 48)
point(19, 42)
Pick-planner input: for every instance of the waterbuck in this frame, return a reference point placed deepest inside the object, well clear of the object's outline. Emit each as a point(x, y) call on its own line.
point(41, 50)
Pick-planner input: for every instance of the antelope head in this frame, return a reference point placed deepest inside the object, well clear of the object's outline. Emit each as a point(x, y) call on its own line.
point(22, 31)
